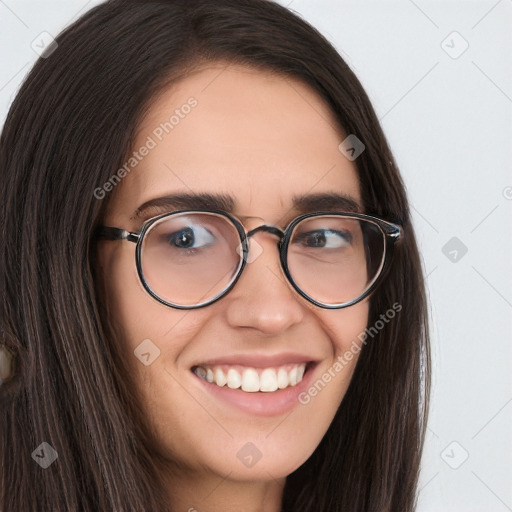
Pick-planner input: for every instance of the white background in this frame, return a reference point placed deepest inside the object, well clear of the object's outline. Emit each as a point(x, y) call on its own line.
point(449, 124)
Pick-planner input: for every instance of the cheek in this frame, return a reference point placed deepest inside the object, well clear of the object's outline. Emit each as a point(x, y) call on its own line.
point(140, 323)
point(123, 295)
point(344, 328)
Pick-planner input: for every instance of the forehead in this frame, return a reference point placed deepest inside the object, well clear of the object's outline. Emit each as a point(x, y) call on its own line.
point(262, 138)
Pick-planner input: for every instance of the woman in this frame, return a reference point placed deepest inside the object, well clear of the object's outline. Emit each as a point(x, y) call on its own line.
point(210, 283)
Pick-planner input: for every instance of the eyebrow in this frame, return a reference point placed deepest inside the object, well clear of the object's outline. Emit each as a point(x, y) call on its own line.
point(305, 203)
point(172, 202)
point(326, 202)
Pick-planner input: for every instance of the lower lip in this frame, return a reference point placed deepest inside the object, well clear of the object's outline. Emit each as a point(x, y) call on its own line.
point(261, 403)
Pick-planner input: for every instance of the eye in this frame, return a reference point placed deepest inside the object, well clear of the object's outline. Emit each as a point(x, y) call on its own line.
point(324, 239)
point(191, 237)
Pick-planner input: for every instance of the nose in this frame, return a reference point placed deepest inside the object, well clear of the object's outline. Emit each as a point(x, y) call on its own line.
point(262, 299)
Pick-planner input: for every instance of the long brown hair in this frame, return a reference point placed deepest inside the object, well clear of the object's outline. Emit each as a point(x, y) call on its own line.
point(67, 132)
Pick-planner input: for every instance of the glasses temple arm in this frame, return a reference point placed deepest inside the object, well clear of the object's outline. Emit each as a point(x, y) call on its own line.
point(109, 233)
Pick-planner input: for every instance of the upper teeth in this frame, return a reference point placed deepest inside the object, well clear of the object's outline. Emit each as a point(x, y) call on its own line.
point(252, 379)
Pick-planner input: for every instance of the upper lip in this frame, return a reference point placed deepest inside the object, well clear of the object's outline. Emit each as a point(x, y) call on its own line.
point(258, 360)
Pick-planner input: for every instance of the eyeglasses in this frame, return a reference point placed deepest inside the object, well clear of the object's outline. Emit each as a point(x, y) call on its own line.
point(189, 259)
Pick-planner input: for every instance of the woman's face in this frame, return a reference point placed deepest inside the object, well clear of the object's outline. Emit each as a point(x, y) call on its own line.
point(263, 140)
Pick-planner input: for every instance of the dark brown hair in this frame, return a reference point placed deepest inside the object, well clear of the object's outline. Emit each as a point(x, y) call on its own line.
point(68, 130)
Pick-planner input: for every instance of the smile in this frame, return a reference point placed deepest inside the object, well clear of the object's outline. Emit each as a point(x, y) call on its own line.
point(252, 380)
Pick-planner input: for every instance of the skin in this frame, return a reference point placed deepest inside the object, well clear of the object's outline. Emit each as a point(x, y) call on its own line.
point(262, 138)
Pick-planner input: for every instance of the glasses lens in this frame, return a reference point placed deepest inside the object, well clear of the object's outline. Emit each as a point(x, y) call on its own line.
point(190, 258)
point(335, 259)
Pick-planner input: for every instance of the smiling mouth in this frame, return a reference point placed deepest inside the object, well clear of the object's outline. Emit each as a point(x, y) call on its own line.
point(252, 380)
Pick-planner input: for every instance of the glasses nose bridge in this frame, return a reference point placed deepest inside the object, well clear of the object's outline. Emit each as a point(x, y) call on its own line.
point(273, 230)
